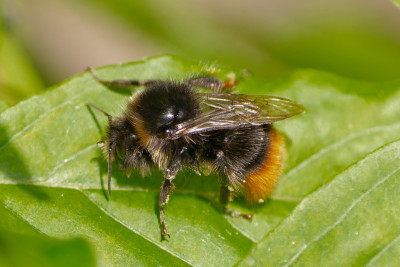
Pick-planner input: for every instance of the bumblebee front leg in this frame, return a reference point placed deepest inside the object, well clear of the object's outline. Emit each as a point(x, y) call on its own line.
point(111, 148)
point(120, 83)
point(166, 188)
point(173, 168)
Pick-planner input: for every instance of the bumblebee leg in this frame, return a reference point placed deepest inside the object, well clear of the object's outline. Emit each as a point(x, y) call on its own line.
point(173, 168)
point(166, 188)
point(120, 83)
point(224, 198)
point(213, 83)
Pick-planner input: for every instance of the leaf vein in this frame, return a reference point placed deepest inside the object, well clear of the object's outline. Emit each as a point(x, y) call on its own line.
point(334, 145)
point(65, 161)
point(12, 211)
point(133, 230)
point(386, 248)
point(26, 128)
point(341, 218)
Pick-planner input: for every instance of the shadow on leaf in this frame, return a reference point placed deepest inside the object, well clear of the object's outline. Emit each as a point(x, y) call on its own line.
point(13, 166)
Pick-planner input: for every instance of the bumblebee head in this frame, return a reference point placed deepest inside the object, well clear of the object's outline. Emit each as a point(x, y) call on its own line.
point(164, 105)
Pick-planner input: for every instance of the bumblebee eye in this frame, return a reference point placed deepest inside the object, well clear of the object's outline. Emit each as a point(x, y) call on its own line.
point(167, 117)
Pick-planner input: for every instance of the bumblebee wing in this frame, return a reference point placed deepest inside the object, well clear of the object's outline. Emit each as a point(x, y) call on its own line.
point(227, 111)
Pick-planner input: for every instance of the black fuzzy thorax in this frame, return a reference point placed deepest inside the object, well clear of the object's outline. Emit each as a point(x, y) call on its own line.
point(163, 105)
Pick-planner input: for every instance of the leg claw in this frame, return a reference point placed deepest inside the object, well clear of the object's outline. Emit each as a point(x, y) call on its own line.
point(164, 231)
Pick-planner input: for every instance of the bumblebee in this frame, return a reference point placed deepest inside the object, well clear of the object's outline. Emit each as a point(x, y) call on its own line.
point(173, 126)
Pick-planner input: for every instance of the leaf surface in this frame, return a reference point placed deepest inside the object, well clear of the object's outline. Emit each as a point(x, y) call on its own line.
point(52, 173)
point(396, 2)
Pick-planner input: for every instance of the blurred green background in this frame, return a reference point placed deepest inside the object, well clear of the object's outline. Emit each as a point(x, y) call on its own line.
point(46, 41)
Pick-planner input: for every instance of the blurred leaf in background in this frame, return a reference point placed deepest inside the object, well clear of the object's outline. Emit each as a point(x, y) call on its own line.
point(355, 38)
point(18, 77)
point(270, 37)
point(397, 3)
point(3, 106)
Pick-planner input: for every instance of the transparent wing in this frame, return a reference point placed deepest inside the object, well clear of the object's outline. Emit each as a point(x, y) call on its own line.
point(226, 111)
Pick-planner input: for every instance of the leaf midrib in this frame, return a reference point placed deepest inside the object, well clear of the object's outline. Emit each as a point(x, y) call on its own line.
point(143, 235)
point(341, 218)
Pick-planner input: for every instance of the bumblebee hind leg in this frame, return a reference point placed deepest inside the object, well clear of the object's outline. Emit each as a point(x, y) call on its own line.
point(237, 153)
point(224, 199)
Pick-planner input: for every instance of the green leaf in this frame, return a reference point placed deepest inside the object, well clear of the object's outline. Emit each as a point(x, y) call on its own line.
point(3, 106)
point(52, 173)
point(396, 2)
point(354, 220)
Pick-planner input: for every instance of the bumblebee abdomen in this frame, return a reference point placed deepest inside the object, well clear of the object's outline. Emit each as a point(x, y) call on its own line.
point(259, 183)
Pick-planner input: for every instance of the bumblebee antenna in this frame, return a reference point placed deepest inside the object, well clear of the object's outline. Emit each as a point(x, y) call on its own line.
point(111, 148)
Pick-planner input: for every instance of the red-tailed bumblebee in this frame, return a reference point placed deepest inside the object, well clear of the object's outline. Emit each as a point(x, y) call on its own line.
point(171, 125)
